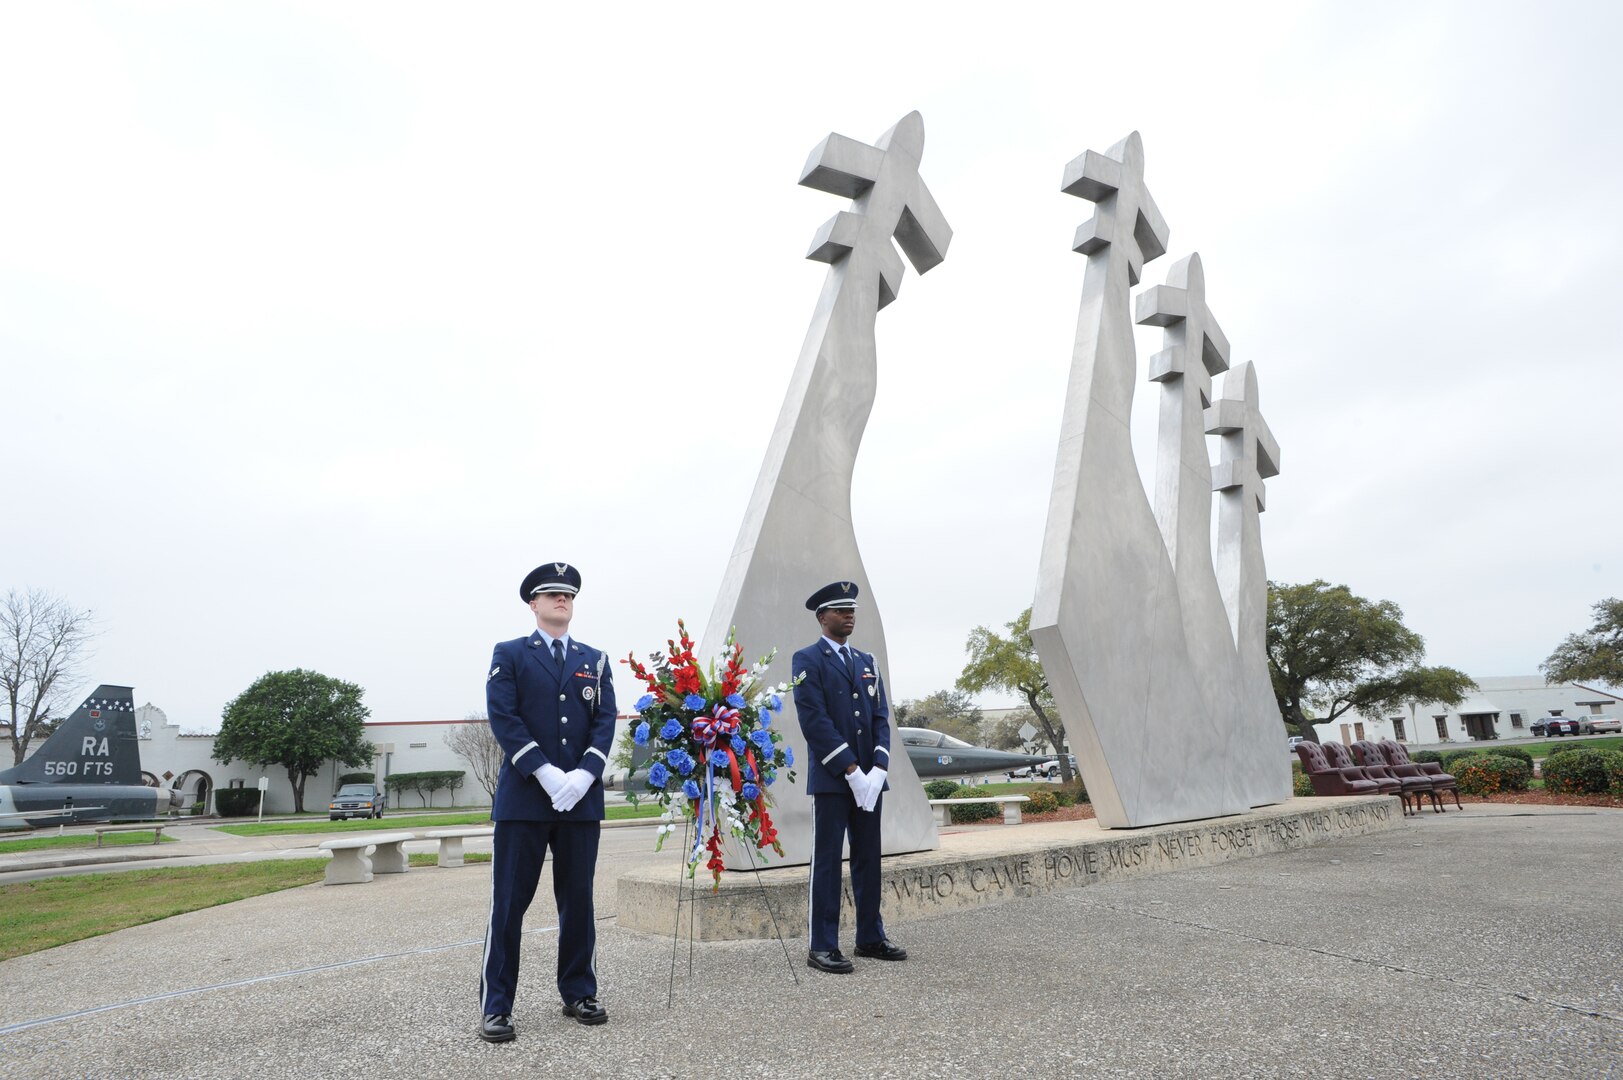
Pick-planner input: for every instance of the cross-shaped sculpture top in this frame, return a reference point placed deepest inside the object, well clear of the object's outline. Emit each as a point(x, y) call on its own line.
point(889, 199)
point(1203, 351)
point(1127, 218)
point(1250, 454)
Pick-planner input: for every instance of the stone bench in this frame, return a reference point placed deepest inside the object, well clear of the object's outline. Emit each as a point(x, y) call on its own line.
point(155, 829)
point(451, 842)
point(351, 865)
point(1010, 803)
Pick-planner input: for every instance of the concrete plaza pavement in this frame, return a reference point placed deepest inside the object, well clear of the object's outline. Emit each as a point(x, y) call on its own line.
point(1483, 942)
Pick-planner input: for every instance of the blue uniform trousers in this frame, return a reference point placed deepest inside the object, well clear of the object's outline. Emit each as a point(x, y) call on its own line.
point(521, 848)
point(835, 815)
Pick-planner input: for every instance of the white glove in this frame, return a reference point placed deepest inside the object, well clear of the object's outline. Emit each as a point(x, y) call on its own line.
point(551, 779)
point(577, 782)
point(876, 786)
point(859, 786)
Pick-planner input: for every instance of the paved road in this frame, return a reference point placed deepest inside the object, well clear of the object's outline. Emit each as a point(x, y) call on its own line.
point(1427, 950)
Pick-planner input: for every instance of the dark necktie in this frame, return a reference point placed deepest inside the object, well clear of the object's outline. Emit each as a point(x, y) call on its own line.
point(558, 655)
point(850, 664)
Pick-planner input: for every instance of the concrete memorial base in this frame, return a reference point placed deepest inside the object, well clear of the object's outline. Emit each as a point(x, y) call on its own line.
point(978, 865)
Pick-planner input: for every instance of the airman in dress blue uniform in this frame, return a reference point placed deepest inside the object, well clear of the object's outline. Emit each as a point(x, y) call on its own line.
point(551, 705)
point(845, 718)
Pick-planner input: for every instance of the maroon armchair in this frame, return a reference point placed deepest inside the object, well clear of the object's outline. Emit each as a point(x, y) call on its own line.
point(1341, 758)
point(1416, 785)
point(1328, 780)
point(1398, 756)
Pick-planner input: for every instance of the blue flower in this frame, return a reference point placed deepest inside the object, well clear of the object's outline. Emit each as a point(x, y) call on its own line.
point(736, 700)
point(644, 701)
point(749, 772)
point(789, 755)
point(694, 702)
point(738, 745)
point(771, 776)
point(751, 792)
point(672, 728)
point(718, 757)
point(690, 789)
point(775, 704)
point(640, 736)
point(762, 738)
point(764, 717)
point(658, 776)
point(679, 760)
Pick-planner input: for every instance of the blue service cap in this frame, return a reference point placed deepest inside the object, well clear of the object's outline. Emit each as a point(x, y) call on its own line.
point(548, 578)
point(840, 594)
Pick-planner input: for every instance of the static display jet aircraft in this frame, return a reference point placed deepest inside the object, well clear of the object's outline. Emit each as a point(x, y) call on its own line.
point(88, 770)
point(935, 753)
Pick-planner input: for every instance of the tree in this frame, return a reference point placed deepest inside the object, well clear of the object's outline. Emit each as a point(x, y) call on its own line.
point(43, 639)
point(1332, 652)
point(298, 720)
point(1010, 664)
point(1595, 655)
point(1005, 733)
point(951, 711)
point(476, 744)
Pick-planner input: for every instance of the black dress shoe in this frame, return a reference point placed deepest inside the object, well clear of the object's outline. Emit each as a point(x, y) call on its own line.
point(884, 950)
point(587, 1011)
point(833, 962)
point(496, 1028)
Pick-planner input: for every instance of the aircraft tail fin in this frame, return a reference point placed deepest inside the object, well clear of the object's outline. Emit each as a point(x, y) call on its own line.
point(98, 744)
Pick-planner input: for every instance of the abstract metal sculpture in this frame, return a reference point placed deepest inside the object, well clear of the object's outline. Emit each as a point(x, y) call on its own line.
point(797, 533)
point(1136, 636)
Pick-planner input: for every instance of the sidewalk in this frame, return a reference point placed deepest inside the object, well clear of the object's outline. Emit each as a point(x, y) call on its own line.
point(1428, 950)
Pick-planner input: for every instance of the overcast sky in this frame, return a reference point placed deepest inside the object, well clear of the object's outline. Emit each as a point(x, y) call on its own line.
point(320, 325)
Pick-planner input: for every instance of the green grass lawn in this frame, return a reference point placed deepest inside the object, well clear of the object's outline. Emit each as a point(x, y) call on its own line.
point(1589, 742)
point(42, 914)
point(399, 821)
point(86, 840)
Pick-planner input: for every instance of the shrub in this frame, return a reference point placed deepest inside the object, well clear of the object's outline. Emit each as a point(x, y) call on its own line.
point(940, 789)
point(1072, 793)
point(975, 811)
point(1301, 785)
point(1579, 772)
point(1512, 751)
point(425, 784)
point(236, 801)
point(1042, 802)
point(1567, 748)
point(1614, 773)
point(357, 778)
point(1450, 759)
point(1489, 774)
point(1426, 755)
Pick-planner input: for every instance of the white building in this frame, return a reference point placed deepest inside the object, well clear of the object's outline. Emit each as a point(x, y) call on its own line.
point(186, 761)
point(1502, 707)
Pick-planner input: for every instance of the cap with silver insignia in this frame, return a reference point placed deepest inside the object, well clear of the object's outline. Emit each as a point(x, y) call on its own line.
point(549, 578)
point(841, 594)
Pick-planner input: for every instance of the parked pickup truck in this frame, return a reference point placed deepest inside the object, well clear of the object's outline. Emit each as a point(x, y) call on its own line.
point(358, 800)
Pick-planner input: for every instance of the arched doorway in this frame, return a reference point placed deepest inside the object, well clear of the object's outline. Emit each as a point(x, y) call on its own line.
point(197, 790)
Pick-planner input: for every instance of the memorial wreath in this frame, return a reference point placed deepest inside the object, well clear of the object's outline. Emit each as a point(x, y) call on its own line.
point(714, 751)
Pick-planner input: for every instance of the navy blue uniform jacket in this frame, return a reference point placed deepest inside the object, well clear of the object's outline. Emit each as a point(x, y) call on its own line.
point(540, 718)
point(842, 722)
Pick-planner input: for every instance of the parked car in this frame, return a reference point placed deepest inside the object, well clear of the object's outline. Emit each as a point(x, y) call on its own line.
point(1292, 742)
point(358, 800)
point(1049, 769)
point(1601, 725)
point(1541, 726)
point(1560, 725)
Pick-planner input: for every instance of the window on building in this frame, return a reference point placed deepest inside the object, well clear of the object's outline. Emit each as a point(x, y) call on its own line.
point(418, 745)
point(234, 783)
point(1442, 726)
point(1515, 719)
point(1555, 712)
point(1397, 729)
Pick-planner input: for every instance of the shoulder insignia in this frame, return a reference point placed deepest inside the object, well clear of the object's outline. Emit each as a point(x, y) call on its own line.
point(493, 671)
